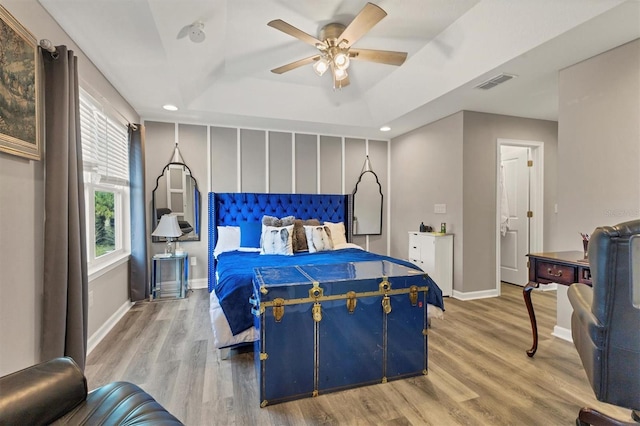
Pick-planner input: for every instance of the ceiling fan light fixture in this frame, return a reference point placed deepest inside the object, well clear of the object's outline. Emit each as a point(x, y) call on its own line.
point(321, 66)
point(341, 60)
point(340, 74)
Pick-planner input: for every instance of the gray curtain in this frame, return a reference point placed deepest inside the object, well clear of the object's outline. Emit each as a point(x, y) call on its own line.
point(138, 272)
point(64, 316)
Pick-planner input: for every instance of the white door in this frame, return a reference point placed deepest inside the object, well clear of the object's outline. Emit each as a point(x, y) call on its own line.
point(514, 244)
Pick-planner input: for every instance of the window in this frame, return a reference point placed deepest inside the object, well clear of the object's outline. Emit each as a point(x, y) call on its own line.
point(106, 179)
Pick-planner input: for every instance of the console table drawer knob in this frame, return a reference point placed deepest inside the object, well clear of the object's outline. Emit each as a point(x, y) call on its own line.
point(550, 272)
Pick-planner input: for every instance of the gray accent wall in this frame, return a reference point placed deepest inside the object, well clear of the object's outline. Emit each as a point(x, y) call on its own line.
point(330, 165)
point(280, 163)
point(264, 161)
point(224, 159)
point(192, 141)
point(598, 144)
point(378, 157)
point(253, 163)
point(306, 164)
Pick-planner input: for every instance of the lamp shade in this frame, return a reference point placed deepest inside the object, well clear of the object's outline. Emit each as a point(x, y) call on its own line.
point(168, 227)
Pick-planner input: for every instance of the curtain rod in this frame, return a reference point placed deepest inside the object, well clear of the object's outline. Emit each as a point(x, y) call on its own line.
point(48, 46)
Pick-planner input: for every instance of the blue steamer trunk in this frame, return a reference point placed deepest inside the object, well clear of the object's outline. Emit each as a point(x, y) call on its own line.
point(325, 328)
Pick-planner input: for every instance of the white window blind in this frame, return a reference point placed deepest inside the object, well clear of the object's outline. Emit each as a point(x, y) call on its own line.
point(104, 144)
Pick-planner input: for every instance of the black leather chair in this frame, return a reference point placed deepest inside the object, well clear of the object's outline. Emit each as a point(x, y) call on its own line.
point(605, 324)
point(55, 392)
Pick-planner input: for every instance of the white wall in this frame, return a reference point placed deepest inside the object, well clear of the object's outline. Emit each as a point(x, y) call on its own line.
point(481, 131)
point(453, 161)
point(426, 169)
point(598, 144)
point(22, 219)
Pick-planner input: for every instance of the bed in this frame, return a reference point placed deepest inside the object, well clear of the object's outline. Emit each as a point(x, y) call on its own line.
point(232, 263)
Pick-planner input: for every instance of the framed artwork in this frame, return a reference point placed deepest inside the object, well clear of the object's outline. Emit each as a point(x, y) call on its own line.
point(20, 90)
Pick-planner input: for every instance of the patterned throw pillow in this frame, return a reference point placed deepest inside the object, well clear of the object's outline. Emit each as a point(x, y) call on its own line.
point(277, 240)
point(299, 237)
point(318, 238)
point(338, 233)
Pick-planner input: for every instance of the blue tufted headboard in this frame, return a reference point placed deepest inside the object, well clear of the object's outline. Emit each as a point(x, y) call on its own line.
point(231, 208)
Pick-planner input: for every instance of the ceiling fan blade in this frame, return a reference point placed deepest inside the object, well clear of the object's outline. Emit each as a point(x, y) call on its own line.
point(369, 16)
point(279, 24)
point(295, 64)
point(380, 56)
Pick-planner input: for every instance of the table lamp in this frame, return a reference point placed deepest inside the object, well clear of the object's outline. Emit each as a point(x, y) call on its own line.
point(168, 228)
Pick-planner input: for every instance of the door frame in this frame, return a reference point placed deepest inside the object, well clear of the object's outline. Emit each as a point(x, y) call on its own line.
point(536, 198)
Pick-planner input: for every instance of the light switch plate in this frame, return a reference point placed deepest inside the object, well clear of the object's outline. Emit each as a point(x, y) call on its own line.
point(193, 260)
point(440, 208)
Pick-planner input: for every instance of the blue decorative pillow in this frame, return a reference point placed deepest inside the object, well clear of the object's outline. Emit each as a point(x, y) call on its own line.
point(250, 233)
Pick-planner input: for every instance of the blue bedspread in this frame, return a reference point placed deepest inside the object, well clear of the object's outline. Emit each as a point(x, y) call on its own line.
point(235, 276)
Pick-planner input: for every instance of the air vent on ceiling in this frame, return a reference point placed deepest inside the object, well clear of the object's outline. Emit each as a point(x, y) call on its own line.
point(493, 82)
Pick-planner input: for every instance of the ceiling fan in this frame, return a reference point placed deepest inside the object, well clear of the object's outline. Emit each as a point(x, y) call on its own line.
point(335, 43)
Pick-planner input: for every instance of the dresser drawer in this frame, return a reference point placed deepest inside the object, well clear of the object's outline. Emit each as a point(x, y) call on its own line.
point(561, 274)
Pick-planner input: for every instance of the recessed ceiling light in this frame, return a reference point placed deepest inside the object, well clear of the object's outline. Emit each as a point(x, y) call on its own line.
point(385, 128)
point(170, 107)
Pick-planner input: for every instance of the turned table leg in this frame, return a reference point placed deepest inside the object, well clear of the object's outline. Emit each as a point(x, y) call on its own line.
point(526, 293)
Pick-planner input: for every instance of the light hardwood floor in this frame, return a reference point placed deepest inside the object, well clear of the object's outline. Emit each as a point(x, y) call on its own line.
point(479, 373)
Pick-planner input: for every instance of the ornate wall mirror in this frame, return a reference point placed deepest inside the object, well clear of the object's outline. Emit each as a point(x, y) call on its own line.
point(177, 193)
point(367, 203)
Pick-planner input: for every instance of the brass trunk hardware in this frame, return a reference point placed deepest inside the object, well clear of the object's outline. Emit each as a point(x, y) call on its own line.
point(317, 312)
point(425, 331)
point(384, 380)
point(264, 403)
point(263, 356)
point(264, 290)
point(278, 309)
point(386, 304)
point(413, 295)
point(385, 285)
point(425, 372)
point(315, 393)
point(316, 291)
point(351, 301)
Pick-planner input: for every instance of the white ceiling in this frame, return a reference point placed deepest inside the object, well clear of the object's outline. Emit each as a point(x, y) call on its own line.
point(453, 45)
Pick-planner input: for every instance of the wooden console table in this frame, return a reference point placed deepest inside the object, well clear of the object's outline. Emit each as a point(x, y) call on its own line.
point(565, 268)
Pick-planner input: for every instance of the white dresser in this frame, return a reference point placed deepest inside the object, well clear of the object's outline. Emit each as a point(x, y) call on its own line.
point(433, 253)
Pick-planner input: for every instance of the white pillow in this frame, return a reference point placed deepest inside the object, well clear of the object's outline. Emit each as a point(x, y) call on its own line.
point(337, 233)
point(228, 239)
point(317, 238)
point(277, 240)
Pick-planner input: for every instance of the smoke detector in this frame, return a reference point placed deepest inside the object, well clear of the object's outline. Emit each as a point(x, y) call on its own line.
point(195, 32)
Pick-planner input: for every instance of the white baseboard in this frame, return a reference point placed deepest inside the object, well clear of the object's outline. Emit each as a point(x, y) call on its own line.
point(473, 295)
point(100, 334)
point(562, 333)
point(546, 287)
point(199, 283)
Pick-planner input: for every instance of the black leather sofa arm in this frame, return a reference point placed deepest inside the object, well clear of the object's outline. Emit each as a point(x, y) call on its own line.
point(42, 393)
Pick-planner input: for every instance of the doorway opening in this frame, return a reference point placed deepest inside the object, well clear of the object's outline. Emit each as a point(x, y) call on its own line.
point(519, 207)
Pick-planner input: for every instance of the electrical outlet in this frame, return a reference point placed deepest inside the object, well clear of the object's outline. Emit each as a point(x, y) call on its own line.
point(193, 260)
point(90, 299)
point(440, 208)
